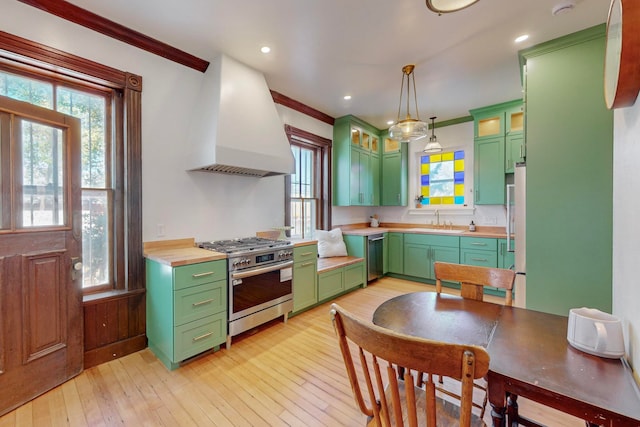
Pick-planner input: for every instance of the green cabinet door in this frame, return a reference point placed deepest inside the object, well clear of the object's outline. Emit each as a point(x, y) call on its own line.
point(417, 260)
point(305, 276)
point(330, 283)
point(489, 179)
point(569, 136)
point(514, 151)
point(394, 178)
point(395, 251)
point(443, 254)
point(506, 258)
point(374, 181)
point(305, 288)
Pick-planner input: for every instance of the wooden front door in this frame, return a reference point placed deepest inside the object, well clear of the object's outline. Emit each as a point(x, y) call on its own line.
point(41, 343)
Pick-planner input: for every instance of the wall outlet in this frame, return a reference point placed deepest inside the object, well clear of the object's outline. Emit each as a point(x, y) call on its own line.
point(490, 220)
point(160, 230)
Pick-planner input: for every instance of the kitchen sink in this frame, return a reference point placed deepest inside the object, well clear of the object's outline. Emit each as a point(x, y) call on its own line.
point(435, 230)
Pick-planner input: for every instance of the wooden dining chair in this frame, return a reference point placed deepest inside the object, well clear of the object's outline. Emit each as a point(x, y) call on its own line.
point(472, 280)
point(380, 356)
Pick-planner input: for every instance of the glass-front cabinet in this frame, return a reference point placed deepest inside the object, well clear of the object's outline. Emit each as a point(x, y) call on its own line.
point(356, 163)
point(498, 145)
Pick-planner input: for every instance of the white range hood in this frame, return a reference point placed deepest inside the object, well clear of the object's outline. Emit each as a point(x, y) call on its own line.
point(237, 129)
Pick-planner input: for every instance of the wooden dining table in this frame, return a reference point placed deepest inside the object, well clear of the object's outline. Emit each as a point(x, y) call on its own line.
point(530, 357)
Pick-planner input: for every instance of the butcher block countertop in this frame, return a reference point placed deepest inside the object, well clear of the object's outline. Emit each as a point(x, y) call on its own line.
point(463, 231)
point(179, 252)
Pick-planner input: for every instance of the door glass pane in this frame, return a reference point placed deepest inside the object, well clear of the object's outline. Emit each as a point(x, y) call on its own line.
point(96, 205)
point(27, 90)
point(43, 173)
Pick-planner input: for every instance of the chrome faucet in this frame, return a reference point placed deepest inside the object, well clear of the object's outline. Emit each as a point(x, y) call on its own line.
point(437, 217)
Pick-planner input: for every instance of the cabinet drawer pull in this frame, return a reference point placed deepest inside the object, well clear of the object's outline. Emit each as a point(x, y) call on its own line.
point(478, 244)
point(306, 253)
point(203, 336)
point(207, 301)
point(307, 264)
point(196, 276)
point(479, 259)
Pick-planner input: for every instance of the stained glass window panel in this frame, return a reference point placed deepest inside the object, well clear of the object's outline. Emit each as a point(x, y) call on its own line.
point(442, 178)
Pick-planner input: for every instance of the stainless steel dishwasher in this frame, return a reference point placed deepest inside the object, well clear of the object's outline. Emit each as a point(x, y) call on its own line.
point(375, 245)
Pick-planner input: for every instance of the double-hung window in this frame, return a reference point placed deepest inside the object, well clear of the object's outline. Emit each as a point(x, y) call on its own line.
point(307, 194)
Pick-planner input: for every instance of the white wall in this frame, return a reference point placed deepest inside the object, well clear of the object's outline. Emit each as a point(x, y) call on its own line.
point(453, 137)
point(182, 204)
point(626, 226)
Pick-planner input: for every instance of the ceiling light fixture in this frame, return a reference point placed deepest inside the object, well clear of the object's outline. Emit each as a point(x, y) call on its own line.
point(408, 129)
point(447, 6)
point(346, 97)
point(433, 146)
point(265, 49)
point(521, 38)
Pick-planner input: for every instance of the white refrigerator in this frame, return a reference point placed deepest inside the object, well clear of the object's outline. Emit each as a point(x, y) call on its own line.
point(516, 227)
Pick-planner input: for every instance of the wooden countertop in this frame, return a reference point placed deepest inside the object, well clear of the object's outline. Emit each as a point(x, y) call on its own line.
point(303, 242)
point(179, 252)
point(490, 232)
point(328, 264)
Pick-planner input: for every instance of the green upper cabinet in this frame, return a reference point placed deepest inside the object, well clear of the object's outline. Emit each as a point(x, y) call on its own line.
point(394, 172)
point(498, 144)
point(489, 179)
point(356, 163)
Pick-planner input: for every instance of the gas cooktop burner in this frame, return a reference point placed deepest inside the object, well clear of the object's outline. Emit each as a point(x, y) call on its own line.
point(245, 244)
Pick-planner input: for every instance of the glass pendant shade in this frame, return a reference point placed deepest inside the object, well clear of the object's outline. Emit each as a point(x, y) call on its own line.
point(433, 146)
point(408, 129)
point(447, 6)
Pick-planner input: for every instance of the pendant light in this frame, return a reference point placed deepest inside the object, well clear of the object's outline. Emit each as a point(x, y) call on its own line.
point(433, 146)
point(446, 6)
point(408, 129)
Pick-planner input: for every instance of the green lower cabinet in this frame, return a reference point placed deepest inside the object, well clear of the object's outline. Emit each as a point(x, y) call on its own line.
point(330, 284)
point(416, 260)
point(443, 254)
point(479, 251)
point(354, 275)
point(305, 277)
point(186, 309)
point(394, 253)
point(506, 258)
point(339, 280)
point(422, 250)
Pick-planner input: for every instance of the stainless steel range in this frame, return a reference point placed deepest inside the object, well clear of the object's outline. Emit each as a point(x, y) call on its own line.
point(260, 280)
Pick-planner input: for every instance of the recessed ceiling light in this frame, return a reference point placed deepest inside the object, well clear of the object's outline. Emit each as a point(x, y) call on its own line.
point(347, 97)
point(522, 38)
point(265, 49)
point(390, 122)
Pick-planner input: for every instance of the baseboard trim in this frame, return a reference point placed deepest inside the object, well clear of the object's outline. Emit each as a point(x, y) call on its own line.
point(114, 351)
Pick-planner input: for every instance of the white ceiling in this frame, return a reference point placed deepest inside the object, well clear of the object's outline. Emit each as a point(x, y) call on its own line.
point(325, 49)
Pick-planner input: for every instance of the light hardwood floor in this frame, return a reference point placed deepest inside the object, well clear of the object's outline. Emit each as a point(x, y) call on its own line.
point(277, 375)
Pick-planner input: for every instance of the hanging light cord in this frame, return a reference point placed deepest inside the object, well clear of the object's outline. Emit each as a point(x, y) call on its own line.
point(407, 71)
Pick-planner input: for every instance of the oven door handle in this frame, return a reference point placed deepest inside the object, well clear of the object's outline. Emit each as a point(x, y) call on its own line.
point(262, 270)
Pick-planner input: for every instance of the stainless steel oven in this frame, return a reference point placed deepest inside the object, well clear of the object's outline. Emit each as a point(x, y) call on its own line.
point(260, 281)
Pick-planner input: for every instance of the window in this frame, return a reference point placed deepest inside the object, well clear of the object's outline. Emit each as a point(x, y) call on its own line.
point(442, 178)
point(307, 190)
point(104, 99)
